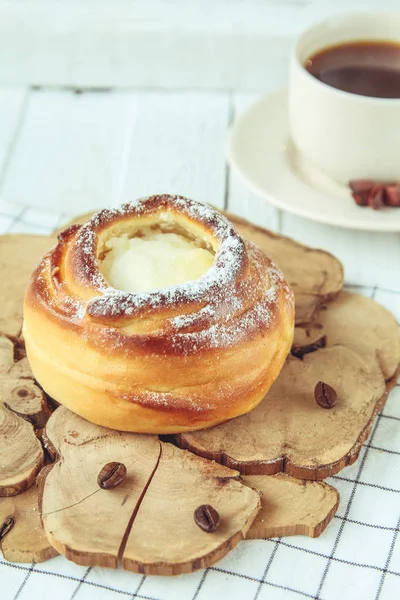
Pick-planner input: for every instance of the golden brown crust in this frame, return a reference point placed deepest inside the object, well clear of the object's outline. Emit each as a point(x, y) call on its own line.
point(178, 359)
point(316, 276)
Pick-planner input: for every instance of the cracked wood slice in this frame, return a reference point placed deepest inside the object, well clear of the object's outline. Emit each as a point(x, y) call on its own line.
point(19, 255)
point(181, 483)
point(20, 451)
point(146, 522)
point(70, 491)
point(26, 542)
point(316, 276)
point(288, 431)
point(291, 506)
point(359, 323)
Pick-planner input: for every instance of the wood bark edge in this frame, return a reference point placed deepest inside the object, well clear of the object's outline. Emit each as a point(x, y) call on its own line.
point(284, 465)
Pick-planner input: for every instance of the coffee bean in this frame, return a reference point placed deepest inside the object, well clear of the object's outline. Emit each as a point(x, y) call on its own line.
point(6, 527)
point(325, 395)
point(111, 475)
point(207, 518)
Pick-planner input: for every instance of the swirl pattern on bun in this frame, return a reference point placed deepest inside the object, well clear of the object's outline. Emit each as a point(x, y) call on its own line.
point(183, 357)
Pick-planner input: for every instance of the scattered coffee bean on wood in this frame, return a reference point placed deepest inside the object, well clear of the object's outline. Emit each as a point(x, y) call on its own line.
point(325, 395)
point(6, 527)
point(111, 475)
point(207, 518)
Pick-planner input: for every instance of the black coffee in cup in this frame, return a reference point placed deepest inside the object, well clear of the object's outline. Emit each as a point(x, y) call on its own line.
point(366, 68)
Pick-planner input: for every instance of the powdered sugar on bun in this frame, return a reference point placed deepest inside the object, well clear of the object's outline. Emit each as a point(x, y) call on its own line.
point(196, 347)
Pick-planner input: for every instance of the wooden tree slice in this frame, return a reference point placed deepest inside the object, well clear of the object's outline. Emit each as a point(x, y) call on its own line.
point(70, 491)
point(288, 431)
point(19, 255)
point(291, 507)
point(21, 453)
point(145, 521)
point(21, 368)
point(26, 541)
point(22, 404)
point(315, 275)
point(359, 323)
point(288, 507)
point(181, 483)
point(26, 400)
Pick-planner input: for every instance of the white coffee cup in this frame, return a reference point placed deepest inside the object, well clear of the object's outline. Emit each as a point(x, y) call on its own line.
point(345, 136)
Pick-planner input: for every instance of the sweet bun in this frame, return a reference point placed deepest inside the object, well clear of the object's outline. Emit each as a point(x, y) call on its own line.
point(202, 349)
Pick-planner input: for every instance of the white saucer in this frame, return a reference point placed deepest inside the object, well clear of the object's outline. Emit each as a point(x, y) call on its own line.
point(260, 151)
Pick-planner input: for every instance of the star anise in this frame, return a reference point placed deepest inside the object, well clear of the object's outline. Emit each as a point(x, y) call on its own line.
point(375, 194)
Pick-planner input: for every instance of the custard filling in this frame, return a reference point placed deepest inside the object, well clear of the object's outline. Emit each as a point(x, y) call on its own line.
point(153, 261)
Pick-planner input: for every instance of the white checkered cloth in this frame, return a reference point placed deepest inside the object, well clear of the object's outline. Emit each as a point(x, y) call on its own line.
point(357, 558)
